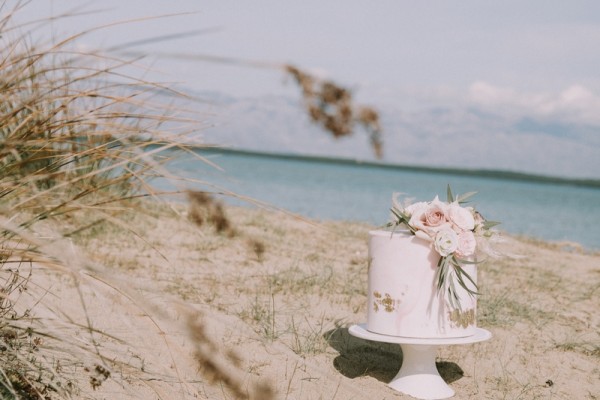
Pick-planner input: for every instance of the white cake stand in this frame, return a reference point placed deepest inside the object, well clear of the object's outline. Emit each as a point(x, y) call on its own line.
point(418, 375)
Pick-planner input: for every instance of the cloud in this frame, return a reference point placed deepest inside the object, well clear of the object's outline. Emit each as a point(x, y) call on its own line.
point(576, 103)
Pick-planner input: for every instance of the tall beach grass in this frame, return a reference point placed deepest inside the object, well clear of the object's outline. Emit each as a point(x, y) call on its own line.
point(74, 137)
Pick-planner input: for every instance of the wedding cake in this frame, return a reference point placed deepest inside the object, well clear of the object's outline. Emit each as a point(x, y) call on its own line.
point(422, 279)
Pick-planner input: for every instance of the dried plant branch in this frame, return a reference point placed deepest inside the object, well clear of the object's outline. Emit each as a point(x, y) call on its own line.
point(327, 104)
point(331, 107)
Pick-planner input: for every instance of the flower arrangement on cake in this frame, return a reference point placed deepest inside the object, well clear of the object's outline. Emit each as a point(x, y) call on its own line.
point(457, 233)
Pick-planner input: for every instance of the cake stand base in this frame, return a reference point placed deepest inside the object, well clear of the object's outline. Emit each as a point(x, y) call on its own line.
point(418, 375)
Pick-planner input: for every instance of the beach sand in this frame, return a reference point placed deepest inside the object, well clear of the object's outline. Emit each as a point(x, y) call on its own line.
point(271, 304)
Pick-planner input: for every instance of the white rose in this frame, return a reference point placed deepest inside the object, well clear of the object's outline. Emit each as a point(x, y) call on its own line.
point(461, 217)
point(445, 242)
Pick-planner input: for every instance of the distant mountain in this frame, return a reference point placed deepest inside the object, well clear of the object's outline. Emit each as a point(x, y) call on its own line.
point(456, 135)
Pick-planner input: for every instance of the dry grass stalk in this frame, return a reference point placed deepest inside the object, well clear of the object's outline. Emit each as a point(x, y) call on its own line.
point(78, 144)
point(258, 247)
point(217, 367)
point(203, 207)
point(330, 106)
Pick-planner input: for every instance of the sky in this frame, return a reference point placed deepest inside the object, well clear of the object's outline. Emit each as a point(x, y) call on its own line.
point(476, 84)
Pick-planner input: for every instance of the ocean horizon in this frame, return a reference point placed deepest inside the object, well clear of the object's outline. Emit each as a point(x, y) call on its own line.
point(549, 208)
point(477, 172)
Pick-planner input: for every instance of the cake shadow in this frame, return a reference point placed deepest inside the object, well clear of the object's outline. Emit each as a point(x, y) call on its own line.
point(382, 361)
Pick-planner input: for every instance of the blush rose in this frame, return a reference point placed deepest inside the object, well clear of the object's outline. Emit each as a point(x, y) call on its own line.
point(429, 217)
point(466, 244)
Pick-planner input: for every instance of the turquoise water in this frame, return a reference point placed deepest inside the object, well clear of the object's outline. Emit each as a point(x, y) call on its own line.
point(325, 190)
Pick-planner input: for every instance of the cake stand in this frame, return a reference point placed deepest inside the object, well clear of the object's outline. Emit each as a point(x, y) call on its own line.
point(418, 375)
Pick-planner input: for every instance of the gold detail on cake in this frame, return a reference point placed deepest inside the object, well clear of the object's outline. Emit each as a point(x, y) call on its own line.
point(384, 301)
point(463, 319)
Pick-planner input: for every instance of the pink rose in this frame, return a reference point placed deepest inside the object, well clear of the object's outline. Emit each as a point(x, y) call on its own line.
point(466, 244)
point(419, 221)
point(429, 217)
point(435, 215)
point(461, 217)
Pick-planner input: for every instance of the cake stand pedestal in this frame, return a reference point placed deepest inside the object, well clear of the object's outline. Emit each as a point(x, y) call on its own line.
point(418, 375)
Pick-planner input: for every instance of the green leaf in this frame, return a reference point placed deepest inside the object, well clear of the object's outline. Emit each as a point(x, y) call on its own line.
point(402, 218)
point(464, 261)
point(462, 283)
point(441, 272)
point(490, 224)
point(459, 274)
point(450, 197)
point(464, 197)
point(453, 297)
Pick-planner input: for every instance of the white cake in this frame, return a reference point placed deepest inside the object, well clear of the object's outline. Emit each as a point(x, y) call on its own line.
point(403, 299)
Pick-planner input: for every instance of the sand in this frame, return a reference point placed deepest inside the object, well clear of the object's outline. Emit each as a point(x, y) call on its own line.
point(271, 304)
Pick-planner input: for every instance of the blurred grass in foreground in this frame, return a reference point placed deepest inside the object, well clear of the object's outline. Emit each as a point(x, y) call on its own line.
point(74, 133)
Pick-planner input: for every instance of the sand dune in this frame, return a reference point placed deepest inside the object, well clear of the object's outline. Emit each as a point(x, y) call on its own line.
point(271, 304)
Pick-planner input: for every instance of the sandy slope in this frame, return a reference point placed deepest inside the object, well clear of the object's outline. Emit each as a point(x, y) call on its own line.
point(275, 300)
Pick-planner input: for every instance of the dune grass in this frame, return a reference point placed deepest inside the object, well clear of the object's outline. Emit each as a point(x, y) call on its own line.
point(75, 133)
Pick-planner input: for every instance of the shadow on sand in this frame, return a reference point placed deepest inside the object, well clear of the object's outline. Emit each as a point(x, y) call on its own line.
point(382, 361)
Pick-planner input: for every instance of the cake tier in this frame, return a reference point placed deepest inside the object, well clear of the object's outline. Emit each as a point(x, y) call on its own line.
point(403, 299)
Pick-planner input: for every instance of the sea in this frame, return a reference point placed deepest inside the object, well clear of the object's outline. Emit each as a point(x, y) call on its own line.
point(555, 210)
